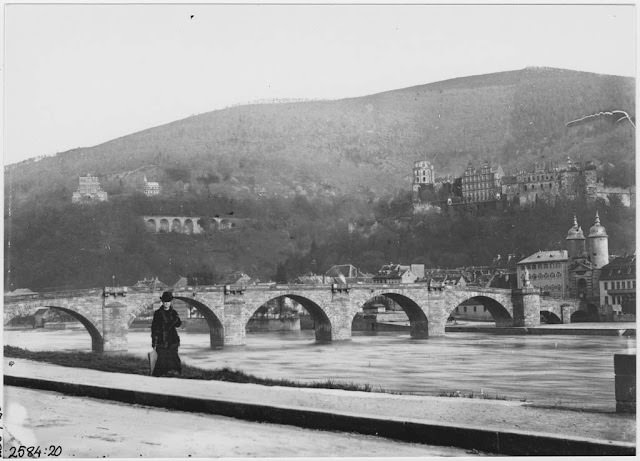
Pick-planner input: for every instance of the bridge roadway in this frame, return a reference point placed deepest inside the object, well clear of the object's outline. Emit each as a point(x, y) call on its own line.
point(107, 313)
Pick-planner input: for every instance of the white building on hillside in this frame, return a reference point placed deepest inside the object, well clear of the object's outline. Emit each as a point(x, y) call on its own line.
point(151, 188)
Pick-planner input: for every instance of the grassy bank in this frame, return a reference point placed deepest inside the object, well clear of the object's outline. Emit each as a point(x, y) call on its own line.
point(126, 363)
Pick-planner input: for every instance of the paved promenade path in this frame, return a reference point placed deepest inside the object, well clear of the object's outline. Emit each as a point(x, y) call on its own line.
point(459, 412)
point(85, 427)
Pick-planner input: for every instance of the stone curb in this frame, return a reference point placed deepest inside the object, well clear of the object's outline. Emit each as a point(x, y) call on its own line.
point(516, 443)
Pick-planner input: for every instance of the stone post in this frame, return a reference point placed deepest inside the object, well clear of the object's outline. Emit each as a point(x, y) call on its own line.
point(114, 326)
point(625, 370)
point(234, 321)
point(526, 307)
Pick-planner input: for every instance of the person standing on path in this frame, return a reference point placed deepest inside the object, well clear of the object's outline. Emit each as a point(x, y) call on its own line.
point(165, 339)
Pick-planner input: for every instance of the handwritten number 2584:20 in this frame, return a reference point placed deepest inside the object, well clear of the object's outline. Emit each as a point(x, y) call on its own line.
point(34, 452)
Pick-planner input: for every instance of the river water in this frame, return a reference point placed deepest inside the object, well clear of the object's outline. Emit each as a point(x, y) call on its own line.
point(563, 370)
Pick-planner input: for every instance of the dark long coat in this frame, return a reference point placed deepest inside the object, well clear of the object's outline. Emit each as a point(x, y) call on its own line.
point(165, 340)
point(163, 328)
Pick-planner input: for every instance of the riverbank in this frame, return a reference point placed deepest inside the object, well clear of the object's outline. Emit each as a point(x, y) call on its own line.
point(130, 364)
point(488, 425)
point(567, 371)
point(586, 328)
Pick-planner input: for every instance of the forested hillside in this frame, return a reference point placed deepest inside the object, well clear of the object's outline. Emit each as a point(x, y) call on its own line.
point(461, 239)
point(302, 172)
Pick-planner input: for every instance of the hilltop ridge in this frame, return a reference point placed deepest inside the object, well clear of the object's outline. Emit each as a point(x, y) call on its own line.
point(357, 145)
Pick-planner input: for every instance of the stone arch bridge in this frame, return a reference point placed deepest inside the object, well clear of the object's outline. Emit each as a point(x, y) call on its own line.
point(107, 313)
point(188, 224)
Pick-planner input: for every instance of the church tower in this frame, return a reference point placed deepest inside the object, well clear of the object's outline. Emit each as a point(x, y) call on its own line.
point(575, 241)
point(598, 244)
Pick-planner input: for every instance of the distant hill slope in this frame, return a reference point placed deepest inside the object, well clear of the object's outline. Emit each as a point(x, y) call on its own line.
point(352, 150)
point(365, 144)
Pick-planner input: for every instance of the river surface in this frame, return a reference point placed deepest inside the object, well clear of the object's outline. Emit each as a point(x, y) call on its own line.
point(557, 370)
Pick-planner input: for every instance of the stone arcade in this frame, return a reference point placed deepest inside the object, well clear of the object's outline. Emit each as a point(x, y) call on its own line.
point(107, 314)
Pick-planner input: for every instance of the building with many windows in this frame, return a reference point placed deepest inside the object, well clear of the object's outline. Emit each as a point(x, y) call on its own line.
point(89, 190)
point(548, 270)
point(618, 287)
point(482, 185)
point(547, 182)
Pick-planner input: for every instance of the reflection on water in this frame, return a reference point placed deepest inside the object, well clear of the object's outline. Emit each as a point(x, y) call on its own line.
point(542, 369)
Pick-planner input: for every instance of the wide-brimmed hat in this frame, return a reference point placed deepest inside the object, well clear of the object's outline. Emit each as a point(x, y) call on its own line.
point(166, 297)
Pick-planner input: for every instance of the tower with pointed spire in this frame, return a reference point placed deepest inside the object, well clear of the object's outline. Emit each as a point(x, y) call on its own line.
point(575, 240)
point(598, 244)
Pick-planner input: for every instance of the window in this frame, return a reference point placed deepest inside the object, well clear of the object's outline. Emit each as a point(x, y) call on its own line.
point(605, 287)
point(465, 308)
point(474, 308)
point(606, 300)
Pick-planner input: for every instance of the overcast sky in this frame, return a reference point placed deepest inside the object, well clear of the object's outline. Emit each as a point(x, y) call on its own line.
point(80, 75)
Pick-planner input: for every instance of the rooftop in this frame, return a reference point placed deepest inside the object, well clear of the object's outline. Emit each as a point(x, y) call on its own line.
point(546, 256)
point(619, 269)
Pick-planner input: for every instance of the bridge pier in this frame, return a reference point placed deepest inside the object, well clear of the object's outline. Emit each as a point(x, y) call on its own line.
point(341, 320)
point(114, 327)
point(526, 307)
point(235, 333)
point(436, 306)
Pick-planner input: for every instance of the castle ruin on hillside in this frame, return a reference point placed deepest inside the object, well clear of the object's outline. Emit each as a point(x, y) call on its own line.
point(489, 187)
point(89, 190)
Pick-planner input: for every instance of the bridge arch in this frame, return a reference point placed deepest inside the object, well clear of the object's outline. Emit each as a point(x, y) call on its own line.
point(216, 329)
point(322, 323)
point(188, 226)
point(97, 341)
point(586, 313)
point(549, 317)
point(498, 311)
point(176, 226)
point(418, 321)
point(151, 225)
point(164, 225)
